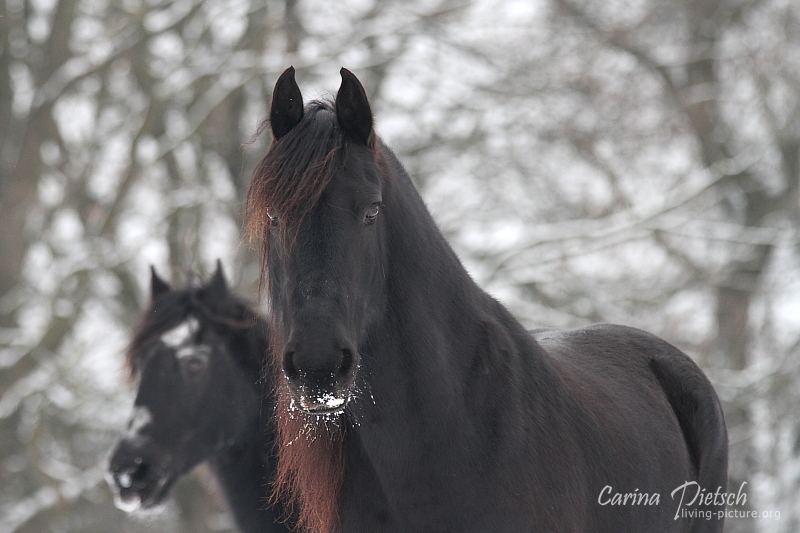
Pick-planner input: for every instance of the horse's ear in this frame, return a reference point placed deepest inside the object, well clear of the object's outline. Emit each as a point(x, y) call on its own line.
point(157, 285)
point(352, 108)
point(218, 285)
point(287, 104)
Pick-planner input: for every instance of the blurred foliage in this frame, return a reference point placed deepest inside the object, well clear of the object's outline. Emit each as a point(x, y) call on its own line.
point(629, 161)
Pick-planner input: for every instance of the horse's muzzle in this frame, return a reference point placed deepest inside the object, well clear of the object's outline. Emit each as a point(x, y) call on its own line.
point(137, 476)
point(325, 404)
point(320, 374)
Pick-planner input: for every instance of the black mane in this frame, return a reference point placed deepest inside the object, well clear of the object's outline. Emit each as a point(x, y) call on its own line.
point(471, 423)
point(290, 178)
point(229, 313)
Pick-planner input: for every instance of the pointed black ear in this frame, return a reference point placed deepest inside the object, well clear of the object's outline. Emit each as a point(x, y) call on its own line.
point(157, 285)
point(287, 104)
point(352, 108)
point(217, 285)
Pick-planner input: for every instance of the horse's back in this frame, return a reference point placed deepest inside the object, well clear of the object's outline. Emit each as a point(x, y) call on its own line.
point(648, 402)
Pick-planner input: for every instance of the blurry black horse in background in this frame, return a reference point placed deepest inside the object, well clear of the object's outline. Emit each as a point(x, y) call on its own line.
point(409, 400)
point(198, 353)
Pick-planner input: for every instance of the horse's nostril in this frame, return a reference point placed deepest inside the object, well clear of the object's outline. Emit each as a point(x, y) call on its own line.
point(347, 362)
point(289, 366)
point(131, 475)
point(124, 480)
point(316, 364)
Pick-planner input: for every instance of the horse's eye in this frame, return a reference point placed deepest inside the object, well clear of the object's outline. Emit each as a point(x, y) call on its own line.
point(273, 216)
point(194, 364)
point(371, 214)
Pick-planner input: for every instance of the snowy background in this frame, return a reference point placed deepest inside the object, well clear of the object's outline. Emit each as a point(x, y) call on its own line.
point(628, 161)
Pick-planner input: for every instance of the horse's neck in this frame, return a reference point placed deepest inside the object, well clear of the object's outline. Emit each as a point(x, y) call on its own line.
point(244, 470)
point(254, 346)
point(446, 352)
point(246, 466)
point(455, 383)
point(428, 281)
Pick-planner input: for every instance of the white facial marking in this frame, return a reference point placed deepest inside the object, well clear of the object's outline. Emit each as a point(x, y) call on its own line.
point(186, 351)
point(181, 334)
point(141, 417)
point(129, 505)
point(194, 349)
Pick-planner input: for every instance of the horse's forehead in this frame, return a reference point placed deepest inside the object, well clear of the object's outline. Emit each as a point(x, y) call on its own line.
point(182, 333)
point(357, 178)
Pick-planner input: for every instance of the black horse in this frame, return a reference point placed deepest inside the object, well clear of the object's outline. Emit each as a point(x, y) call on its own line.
point(198, 353)
point(410, 400)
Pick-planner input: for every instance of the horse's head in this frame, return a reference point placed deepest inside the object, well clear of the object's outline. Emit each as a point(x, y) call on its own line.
point(315, 202)
point(194, 398)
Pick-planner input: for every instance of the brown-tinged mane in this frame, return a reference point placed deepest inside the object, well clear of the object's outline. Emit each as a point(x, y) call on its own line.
point(290, 178)
point(287, 183)
point(310, 453)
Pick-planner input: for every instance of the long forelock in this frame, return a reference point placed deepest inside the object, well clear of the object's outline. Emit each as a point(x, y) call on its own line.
point(296, 169)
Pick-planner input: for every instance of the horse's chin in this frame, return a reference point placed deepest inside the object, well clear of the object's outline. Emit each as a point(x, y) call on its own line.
point(324, 405)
